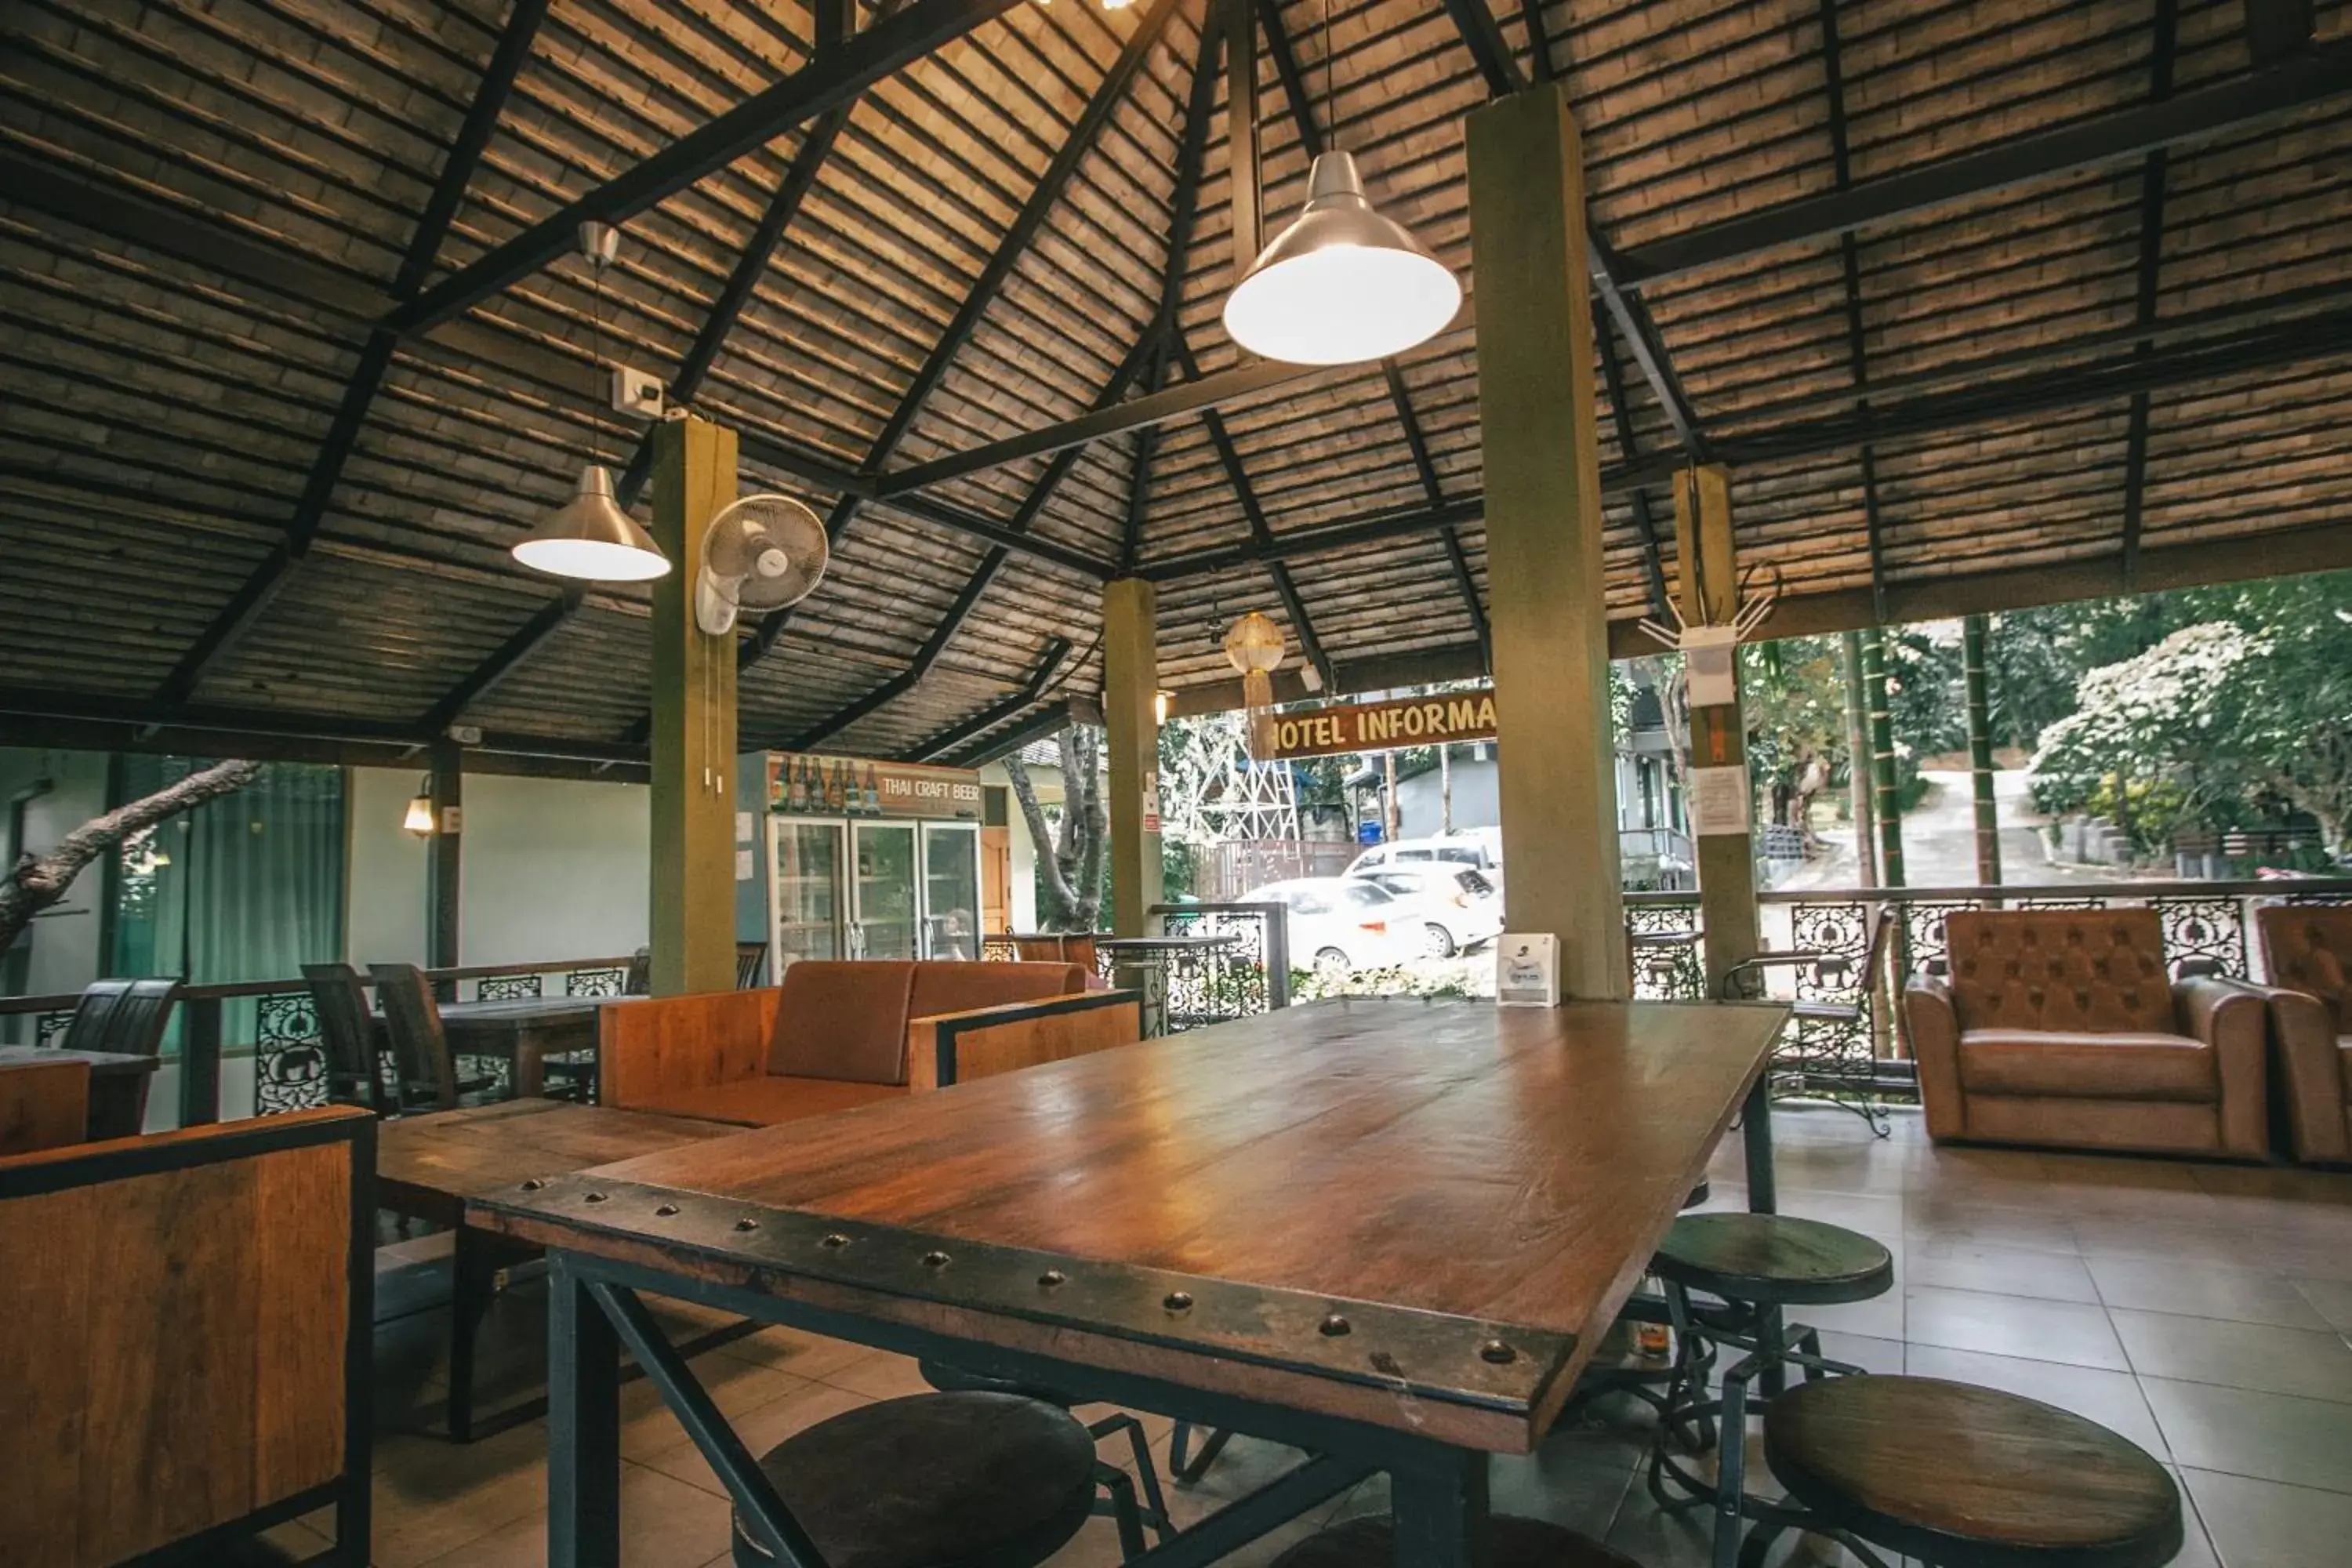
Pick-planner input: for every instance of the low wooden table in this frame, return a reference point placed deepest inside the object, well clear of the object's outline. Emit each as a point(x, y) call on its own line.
point(118, 1085)
point(428, 1166)
point(1387, 1233)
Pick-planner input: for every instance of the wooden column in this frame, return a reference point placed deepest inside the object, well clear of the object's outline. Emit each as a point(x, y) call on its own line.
point(1131, 677)
point(1557, 774)
point(1974, 630)
point(443, 875)
point(692, 924)
point(1708, 594)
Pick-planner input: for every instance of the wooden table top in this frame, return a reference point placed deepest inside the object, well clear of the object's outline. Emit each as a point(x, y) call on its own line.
point(1474, 1189)
point(525, 1009)
point(100, 1062)
point(429, 1164)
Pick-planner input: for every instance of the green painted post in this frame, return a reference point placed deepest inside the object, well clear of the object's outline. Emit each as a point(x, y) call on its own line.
point(1882, 758)
point(1973, 632)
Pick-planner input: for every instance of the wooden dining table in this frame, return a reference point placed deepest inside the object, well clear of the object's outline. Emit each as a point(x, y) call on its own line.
point(118, 1084)
point(1388, 1232)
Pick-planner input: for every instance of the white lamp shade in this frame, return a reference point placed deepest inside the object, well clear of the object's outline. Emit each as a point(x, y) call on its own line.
point(591, 537)
point(1343, 284)
point(419, 819)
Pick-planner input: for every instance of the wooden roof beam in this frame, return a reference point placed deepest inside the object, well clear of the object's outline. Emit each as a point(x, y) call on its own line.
point(823, 83)
point(2313, 75)
point(1033, 688)
point(246, 605)
point(1645, 522)
point(1850, 266)
point(1045, 725)
point(1487, 47)
point(2163, 50)
point(1457, 560)
point(503, 661)
point(1939, 413)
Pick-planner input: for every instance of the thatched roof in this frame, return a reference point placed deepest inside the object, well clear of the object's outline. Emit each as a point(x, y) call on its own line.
point(272, 418)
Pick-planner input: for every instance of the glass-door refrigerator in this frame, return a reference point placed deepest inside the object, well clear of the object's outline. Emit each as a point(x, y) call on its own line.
point(848, 857)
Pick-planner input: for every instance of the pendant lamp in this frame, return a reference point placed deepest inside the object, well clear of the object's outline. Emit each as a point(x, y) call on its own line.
point(1254, 647)
point(589, 536)
point(1343, 284)
point(419, 819)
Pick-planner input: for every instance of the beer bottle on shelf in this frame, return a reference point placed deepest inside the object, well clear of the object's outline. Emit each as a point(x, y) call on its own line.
point(873, 792)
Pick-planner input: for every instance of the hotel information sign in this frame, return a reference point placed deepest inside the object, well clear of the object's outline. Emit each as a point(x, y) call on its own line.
point(1381, 726)
point(802, 785)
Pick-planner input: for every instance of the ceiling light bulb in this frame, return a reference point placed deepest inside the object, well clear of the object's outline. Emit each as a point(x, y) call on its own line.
point(1343, 284)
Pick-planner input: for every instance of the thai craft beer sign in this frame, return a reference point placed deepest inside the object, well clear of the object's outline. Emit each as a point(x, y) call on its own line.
point(1379, 726)
point(802, 785)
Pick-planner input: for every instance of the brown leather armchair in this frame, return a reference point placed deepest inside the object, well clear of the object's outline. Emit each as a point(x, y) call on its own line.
point(2061, 1027)
point(2307, 949)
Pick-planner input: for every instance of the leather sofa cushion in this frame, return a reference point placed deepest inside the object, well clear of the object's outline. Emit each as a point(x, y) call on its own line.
point(842, 1019)
point(951, 987)
point(764, 1101)
point(2063, 1065)
point(2307, 948)
point(2069, 971)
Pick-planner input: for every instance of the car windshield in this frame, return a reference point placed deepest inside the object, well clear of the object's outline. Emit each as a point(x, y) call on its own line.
point(1399, 883)
point(1364, 896)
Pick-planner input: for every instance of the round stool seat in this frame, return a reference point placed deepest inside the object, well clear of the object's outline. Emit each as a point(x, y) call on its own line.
point(1370, 1542)
point(1773, 1259)
point(1971, 1478)
point(934, 1480)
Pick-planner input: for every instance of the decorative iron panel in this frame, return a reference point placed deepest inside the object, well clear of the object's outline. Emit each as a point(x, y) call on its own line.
point(1210, 986)
point(1675, 971)
point(49, 1028)
point(999, 950)
point(506, 988)
point(595, 982)
point(290, 1059)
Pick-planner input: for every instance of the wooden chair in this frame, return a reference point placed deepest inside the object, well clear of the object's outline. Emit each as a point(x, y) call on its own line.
point(347, 1033)
point(639, 981)
point(1829, 1051)
point(420, 1050)
point(750, 962)
point(186, 1359)
point(126, 1018)
point(43, 1105)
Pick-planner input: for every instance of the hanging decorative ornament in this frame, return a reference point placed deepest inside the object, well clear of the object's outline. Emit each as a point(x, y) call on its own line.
point(1254, 647)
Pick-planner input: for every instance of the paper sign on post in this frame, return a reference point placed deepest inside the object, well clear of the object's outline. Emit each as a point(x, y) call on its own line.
point(1719, 800)
point(1526, 969)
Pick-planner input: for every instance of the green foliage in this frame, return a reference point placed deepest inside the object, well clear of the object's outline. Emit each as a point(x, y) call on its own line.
point(1306, 985)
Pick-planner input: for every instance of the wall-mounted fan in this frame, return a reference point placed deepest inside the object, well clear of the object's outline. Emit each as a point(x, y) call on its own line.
point(761, 553)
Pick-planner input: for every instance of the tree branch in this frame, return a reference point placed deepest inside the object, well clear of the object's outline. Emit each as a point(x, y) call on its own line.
point(35, 882)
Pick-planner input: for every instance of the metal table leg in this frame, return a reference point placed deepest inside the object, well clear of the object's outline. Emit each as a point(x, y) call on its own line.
point(583, 1428)
point(474, 1272)
point(1756, 1129)
point(1441, 1511)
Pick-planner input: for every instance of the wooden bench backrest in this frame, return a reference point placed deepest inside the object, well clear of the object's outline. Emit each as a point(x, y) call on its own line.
point(664, 1046)
point(186, 1318)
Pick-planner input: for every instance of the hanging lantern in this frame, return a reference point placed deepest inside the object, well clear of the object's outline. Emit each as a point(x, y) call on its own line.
point(419, 819)
point(1254, 647)
point(1160, 703)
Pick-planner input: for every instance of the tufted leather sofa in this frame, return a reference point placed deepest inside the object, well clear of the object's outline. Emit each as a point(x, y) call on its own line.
point(2061, 1027)
point(2306, 950)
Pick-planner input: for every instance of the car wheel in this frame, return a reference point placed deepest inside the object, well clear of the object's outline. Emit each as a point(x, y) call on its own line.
point(1436, 942)
point(1331, 964)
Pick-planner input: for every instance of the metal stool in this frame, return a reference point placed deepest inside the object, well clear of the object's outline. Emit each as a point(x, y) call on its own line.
point(1961, 1477)
point(1370, 1542)
point(1117, 1500)
point(933, 1481)
point(1756, 1265)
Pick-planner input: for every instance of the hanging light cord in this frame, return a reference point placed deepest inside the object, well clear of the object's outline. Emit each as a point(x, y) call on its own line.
point(1330, 93)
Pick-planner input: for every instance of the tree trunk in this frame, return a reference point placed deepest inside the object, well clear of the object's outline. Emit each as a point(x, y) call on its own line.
point(1974, 631)
point(35, 882)
point(1069, 863)
point(1857, 765)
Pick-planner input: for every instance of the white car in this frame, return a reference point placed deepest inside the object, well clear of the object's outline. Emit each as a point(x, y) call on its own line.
point(1457, 906)
point(1460, 849)
point(1339, 924)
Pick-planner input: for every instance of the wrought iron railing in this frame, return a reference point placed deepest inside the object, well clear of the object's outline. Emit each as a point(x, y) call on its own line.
point(1250, 975)
point(290, 1061)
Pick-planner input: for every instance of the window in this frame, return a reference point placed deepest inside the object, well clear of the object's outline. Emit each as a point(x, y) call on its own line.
point(1364, 896)
point(1416, 854)
point(1461, 855)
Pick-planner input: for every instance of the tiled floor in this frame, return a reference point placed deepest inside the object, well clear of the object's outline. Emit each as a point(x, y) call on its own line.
point(2199, 1309)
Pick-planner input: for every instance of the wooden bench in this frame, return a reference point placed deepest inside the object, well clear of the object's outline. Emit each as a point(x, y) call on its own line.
point(837, 1035)
point(186, 1360)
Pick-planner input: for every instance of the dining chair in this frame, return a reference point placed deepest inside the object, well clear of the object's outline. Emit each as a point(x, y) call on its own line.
point(750, 961)
point(126, 1018)
point(639, 981)
point(420, 1047)
point(348, 1035)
